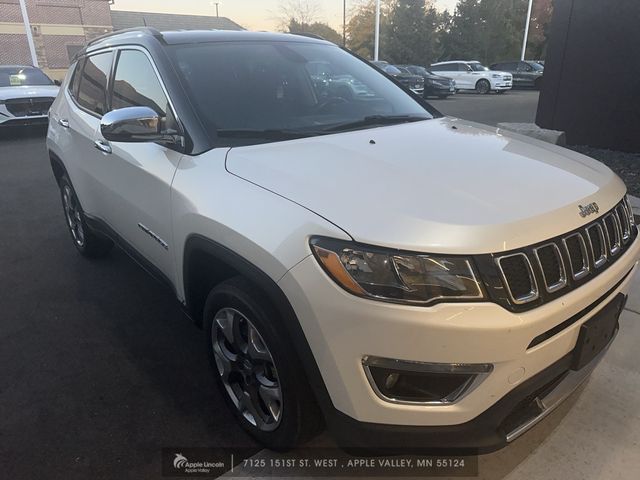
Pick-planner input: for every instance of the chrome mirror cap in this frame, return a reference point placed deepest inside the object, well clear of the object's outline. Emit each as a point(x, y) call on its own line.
point(131, 124)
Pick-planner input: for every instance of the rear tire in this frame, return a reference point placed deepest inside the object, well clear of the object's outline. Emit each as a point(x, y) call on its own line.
point(257, 370)
point(483, 87)
point(89, 243)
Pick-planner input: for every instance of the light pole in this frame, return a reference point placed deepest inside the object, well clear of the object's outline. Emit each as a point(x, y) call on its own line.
point(344, 23)
point(526, 31)
point(376, 46)
point(27, 28)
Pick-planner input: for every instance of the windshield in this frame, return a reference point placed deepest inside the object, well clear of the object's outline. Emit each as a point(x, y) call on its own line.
point(22, 76)
point(391, 70)
point(300, 88)
point(477, 67)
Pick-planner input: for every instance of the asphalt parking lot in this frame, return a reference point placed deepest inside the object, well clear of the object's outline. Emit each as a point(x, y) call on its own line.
point(99, 369)
point(516, 106)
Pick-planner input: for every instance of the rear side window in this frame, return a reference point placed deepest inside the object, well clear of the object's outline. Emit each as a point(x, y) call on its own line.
point(75, 81)
point(92, 93)
point(136, 83)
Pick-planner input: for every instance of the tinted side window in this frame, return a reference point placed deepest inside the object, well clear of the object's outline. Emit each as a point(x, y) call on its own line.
point(92, 94)
point(136, 83)
point(75, 81)
point(437, 68)
point(462, 67)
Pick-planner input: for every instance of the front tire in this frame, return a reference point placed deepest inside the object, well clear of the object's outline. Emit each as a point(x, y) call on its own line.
point(483, 87)
point(258, 372)
point(89, 243)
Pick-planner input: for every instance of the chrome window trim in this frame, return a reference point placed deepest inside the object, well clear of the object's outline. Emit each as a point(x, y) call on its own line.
point(562, 282)
point(534, 292)
point(584, 271)
point(600, 261)
point(615, 244)
point(481, 371)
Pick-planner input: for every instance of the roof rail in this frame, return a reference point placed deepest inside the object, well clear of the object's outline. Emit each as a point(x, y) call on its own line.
point(153, 31)
point(309, 35)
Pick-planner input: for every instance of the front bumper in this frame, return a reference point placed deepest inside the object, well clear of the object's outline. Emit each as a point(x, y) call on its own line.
point(505, 421)
point(503, 86)
point(7, 120)
point(437, 90)
point(342, 329)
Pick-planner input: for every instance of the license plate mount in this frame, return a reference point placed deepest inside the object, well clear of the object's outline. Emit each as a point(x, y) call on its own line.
point(597, 332)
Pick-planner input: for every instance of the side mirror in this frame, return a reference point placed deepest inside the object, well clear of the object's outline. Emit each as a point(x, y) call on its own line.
point(132, 124)
point(57, 82)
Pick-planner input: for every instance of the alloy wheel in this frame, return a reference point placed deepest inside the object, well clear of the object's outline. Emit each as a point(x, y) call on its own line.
point(483, 87)
point(73, 215)
point(247, 369)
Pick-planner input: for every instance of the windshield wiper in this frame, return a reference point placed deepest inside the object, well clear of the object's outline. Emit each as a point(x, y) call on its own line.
point(268, 134)
point(372, 120)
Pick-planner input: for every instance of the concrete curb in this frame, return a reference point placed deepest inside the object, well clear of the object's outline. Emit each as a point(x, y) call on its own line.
point(532, 130)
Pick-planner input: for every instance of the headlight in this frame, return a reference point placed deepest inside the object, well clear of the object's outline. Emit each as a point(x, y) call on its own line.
point(496, 75)
point(397, 276)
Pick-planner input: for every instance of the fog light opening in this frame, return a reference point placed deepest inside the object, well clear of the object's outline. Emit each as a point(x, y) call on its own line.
point(401, 381)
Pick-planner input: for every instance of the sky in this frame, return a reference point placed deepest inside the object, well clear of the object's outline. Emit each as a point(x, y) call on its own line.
point(251, 14)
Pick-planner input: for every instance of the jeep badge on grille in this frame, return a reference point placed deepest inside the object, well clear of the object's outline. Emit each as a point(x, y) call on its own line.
point(588, 209)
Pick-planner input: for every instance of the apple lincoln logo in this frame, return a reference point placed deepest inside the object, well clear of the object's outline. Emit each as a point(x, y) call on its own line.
point(180, 461)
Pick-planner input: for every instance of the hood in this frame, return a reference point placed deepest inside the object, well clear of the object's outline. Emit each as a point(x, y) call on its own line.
point(433, 76)
point(440, 186)
point(409, 77)
point(29, 91)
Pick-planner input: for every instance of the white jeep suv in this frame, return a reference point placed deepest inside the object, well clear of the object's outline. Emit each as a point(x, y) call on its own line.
point(410, 280)
point(472, 75)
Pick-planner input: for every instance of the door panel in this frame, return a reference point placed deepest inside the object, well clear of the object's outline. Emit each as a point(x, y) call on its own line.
point(85, 161)
point(138, 176)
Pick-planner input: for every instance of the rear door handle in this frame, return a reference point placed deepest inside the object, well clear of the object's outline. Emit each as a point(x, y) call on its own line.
point(103, 146)
point(63, 122)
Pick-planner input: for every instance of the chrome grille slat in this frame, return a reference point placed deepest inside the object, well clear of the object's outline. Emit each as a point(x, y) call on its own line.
point(552, 284)
point(612, 232)
point(581, 272)
point(601, 258)
point(533, 292)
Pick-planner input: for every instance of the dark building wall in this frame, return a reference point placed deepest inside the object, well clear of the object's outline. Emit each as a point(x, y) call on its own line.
point(591, 87)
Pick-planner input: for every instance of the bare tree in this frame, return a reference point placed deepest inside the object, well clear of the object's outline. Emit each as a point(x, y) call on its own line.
point(303, 12)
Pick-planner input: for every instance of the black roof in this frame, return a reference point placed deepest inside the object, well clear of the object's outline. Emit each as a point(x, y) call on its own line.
point(145, 35)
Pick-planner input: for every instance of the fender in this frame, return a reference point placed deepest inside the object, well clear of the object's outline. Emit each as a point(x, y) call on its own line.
point(198, 244)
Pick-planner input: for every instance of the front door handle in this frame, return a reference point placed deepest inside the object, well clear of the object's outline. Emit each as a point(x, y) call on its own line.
point(63, 122)
point(103, 146)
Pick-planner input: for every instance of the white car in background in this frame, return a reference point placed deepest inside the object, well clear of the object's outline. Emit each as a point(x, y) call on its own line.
point(472, 75)
point(26, 94)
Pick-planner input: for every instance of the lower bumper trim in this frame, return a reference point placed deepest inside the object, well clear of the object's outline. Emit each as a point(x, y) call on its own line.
point(548, 402)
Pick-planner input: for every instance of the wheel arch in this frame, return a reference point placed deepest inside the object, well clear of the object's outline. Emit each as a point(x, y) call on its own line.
point(57, 166)
point(207, 263)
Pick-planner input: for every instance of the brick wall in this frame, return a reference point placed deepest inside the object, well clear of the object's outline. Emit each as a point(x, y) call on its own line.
point(14, 49)
point(93, 16)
